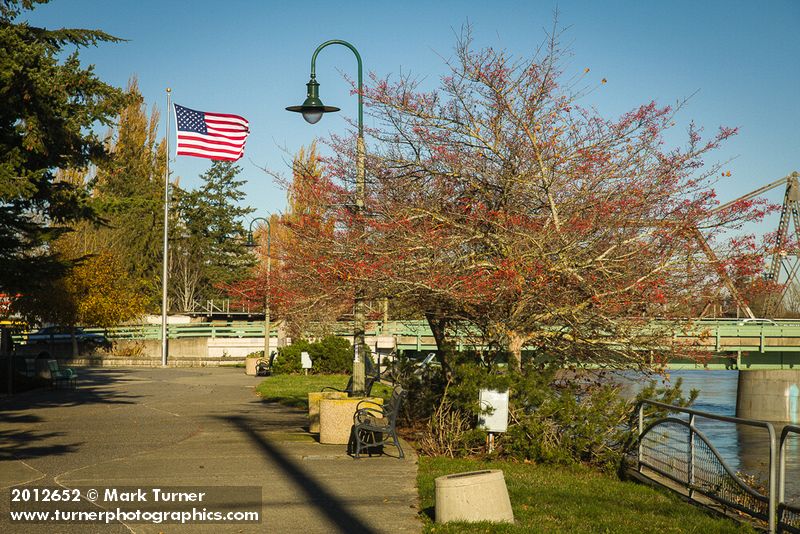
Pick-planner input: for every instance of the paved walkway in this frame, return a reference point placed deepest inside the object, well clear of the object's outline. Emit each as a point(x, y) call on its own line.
point(197, 428)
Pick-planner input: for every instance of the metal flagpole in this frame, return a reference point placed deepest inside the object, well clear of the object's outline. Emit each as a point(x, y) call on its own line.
point(164, 272)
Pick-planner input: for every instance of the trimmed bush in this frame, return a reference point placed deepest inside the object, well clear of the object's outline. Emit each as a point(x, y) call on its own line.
point(556, 416)
point(288, 359)
point(331, 355)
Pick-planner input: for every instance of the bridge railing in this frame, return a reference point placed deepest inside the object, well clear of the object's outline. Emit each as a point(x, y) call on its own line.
point(788, 513)
point(677, 450)
point(178, 331)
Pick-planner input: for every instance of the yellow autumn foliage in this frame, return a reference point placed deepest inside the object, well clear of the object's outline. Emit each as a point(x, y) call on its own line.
point(103, 294)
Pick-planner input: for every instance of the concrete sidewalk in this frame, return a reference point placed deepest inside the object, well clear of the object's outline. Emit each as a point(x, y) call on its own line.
point(196, 428)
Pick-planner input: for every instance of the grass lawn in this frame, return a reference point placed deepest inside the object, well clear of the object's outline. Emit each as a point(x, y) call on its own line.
point(293, 390)
point(571, 499)
point(545, 499)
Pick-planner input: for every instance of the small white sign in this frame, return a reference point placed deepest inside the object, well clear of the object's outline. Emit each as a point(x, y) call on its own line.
point(305, 360)
point(496, 403)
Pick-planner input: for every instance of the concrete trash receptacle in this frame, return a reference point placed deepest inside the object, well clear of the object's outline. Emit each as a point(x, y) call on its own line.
point(314, 397)
point(250, 366)
point(473, 496)
point(336, 418)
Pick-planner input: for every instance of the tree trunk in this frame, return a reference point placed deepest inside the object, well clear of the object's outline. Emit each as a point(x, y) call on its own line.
point(281, 327)
point(444, 346)
point(74, 341)
point(515, 344)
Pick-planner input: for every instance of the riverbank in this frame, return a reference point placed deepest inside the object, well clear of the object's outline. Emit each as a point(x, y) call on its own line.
point(544, 498)
point(571, 499)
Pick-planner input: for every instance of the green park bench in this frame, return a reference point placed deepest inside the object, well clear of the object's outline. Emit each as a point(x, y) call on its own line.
point(62, 377)
point(375, 425)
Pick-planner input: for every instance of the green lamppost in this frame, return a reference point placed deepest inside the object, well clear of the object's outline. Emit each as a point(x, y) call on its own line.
point(251, 243)
point(312, 110)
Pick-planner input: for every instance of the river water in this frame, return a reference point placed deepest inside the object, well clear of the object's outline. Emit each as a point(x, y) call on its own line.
point(745, 449)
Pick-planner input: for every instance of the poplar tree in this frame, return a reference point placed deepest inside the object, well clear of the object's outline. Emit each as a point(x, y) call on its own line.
point(130, 191)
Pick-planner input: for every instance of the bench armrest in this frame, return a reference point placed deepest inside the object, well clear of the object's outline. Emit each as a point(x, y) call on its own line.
point(365, 414)
point(368, 404)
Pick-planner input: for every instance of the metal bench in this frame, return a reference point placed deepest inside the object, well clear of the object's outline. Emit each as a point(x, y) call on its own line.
point(66, 376)
point(264, 367)
point(375, 426)
point(369, 381)
point(371, 375)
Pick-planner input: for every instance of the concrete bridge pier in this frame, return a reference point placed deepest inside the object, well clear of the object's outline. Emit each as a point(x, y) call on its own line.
point(771, 395)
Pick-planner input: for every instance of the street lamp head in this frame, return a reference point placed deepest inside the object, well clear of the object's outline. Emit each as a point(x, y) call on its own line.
point(250, 243)
point(312, 108)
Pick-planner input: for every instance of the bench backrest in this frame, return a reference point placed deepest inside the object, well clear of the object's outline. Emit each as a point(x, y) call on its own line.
point(392, 408)
point(369, 368)
point(55, 372)
point(369, 381)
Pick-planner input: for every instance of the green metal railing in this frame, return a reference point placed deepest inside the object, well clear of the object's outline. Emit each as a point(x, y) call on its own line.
point(788, 512)
point(178, 331)
point(676, 449)
point(736, 343)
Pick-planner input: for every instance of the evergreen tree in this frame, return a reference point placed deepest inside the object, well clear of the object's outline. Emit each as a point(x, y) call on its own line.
point(48, 107)
point(208, 250)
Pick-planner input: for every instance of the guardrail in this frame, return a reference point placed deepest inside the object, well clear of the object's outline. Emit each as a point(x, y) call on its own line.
point(788, 514)
point(177, 331)
point(677, 450)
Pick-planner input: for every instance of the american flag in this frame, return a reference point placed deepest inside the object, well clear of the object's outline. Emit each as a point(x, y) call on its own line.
point(210, 135)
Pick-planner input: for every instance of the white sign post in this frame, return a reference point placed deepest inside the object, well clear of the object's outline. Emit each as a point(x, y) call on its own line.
point(494, 413)
point(305, 361)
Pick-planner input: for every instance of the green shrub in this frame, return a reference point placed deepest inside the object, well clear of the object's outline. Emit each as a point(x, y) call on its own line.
point(555, 416)
point(332, 354)
point(288, 359)
point(256, 354)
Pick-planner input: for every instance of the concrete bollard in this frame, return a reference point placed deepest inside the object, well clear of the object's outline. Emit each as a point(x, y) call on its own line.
point(473, 496)
point(336, 418)
point(314, 398)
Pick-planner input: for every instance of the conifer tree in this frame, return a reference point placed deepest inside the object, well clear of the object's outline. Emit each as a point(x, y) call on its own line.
point(208, 250)
point(49, 104)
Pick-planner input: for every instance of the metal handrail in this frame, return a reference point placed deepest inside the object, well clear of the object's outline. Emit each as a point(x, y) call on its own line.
point(690, 461)
point(773, 448)
point(788, 429)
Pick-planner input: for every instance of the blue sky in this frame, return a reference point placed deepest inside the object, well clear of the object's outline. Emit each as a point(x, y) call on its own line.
point(738, 60)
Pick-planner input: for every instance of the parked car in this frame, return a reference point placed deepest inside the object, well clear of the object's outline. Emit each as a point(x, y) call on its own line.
point(63, 334)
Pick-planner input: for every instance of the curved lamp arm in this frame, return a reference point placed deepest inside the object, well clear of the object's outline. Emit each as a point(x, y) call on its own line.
point(360, 76)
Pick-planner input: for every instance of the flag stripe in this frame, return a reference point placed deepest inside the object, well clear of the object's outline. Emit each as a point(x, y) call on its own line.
point(213, 139)
point(227, 116)
point(222, 150)
point(219, 136)
point(226, 125)
point(211, 146)
point(210, 153)
point(217, 120)
point(227, 131)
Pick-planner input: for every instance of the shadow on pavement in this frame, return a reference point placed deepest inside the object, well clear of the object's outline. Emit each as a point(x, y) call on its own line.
point(91, 390)
point(331, 506)
point(20, 443)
